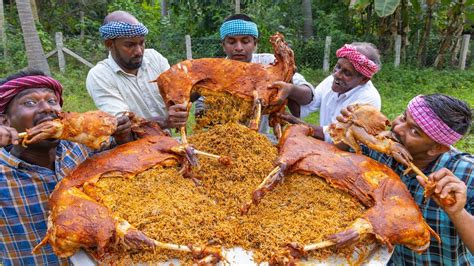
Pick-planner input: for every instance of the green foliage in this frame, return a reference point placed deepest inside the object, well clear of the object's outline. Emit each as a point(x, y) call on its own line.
point(384, 8)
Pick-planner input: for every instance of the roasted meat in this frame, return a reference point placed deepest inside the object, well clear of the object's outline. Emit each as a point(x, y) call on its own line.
point(77, 218)
point(368, 126)
point(92, 129)
point(392, 215)
point(218, 76)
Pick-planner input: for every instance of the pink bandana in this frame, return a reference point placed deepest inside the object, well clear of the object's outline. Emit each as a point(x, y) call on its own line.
point(361, 63)
point(11, 88)
point(430, 123)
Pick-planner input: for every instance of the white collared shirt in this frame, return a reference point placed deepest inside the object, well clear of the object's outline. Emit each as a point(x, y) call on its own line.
point(114, 91)
point(330, 103)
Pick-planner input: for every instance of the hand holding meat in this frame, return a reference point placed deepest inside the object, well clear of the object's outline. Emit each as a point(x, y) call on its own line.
point(177, 116)
point(123, 134)
point(445, 185)
point(92, 129)
point(8, 135)
point(365, 124)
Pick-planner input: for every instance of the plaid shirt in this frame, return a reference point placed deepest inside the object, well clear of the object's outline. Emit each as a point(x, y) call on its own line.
point(24, 194)
point(451, 250)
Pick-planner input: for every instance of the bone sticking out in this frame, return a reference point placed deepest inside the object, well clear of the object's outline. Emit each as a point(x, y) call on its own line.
point(322, 244)
point(246, 206)
point(272, 173)
point(22, 135)
point(184, 139)
point(174, 247)
point(222, 159)
point(418, 172)
point(450, 200)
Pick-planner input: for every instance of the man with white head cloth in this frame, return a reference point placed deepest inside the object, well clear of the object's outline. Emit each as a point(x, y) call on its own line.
point(349, 83)
point(121, 82)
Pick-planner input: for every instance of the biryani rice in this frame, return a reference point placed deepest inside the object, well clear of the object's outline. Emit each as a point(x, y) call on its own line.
point(170, 208)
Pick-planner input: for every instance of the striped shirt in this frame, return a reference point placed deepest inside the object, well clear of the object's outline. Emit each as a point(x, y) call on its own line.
point(451, 250)
point(24, 192)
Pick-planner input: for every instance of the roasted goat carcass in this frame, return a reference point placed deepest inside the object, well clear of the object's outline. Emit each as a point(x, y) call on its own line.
point(92, 129)
point(217, 76)
point(77, 219)
point(367, 125)
point(392, 215)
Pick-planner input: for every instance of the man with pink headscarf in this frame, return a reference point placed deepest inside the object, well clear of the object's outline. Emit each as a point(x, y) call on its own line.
point(28, 175)
point(428, 128)
point(349, 83)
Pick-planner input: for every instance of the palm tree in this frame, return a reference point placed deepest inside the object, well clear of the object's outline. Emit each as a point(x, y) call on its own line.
point(34, 49)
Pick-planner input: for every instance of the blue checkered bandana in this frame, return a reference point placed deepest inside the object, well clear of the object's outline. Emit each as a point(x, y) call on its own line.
point(238, 27)
point(118, 29)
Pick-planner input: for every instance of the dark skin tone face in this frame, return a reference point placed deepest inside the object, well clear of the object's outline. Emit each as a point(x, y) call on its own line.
point(127, 52)
point(346, 76)
point(423, 149)
point(27, 109)
point(31, 107)
point(240, 47)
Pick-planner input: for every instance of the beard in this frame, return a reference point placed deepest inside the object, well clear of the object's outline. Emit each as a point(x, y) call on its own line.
point(133, 63)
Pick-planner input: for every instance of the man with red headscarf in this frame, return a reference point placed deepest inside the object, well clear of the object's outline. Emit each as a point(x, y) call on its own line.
point(28, 175)
point(350, 83)
point(428, 128)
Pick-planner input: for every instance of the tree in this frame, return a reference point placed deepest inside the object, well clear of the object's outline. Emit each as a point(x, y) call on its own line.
point(33, 47)
point(164, 10)
point(427, 24)
point(2, 30)
point(452, 31)
point(307, 19)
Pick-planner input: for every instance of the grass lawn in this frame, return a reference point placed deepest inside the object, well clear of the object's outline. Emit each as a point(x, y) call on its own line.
point(397, 87)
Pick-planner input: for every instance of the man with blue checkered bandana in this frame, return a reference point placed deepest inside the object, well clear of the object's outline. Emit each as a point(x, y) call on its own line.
point(239, 36)
point(121, 82)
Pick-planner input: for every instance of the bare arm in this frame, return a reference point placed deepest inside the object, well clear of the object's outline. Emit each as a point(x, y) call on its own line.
point(317, 130)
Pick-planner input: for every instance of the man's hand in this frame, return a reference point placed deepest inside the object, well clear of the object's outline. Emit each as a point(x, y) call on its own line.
point(177, 116)
point(8, 135)
point(446, 183)
point(123, 134)
point(346, 114)
point(284, 90)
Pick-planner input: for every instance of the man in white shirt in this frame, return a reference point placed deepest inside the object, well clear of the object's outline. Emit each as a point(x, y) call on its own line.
point(239, 35)
point(349, 84)
point(121, 82)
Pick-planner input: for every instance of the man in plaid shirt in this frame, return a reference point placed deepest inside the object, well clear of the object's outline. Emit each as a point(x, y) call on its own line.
point(28, 175)
point(428, 128)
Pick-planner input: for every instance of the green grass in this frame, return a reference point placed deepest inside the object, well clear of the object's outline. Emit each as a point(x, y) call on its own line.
point(396, 86)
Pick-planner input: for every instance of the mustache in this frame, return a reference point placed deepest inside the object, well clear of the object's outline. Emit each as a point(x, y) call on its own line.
point(41, 117)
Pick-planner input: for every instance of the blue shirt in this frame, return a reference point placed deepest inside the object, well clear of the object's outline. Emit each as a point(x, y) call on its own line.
point(24, 194)
point(451, 250)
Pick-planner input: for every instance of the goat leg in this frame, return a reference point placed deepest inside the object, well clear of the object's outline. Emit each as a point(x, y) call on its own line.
point(267, 185)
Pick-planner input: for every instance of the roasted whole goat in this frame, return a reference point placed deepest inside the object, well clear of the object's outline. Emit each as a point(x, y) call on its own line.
point(218, 76)
point(78, 220)
point(392, 215)
point(367, 125)
point(92, 129)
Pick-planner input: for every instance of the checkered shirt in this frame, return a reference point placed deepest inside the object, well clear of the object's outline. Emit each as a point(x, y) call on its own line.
point(24, 194)
point(451, 250)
